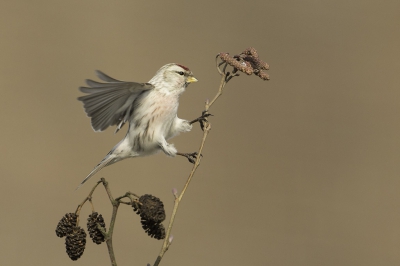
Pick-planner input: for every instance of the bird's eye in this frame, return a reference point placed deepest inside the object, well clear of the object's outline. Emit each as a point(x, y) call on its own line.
point(180, 73)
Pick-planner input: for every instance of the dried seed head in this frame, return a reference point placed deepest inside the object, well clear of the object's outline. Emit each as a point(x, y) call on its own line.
point(95, 234)
point(237, 63)
point(256, 63)
point(247, 62)
point(155, 230)
point(150, 208)
point(152, 213)
point(75, 242)
point(250, 51)
point(263, 75)
point(66, 224)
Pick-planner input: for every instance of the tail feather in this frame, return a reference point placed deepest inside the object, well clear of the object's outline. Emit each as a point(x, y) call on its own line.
point(109, 159)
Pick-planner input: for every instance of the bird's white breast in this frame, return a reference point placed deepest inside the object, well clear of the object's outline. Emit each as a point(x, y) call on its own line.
point(152, 121)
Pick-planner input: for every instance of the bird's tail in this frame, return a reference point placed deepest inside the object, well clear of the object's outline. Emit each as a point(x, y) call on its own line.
point(109, 159)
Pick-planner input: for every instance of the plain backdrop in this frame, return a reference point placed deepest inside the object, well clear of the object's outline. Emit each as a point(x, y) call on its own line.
point(300, 170)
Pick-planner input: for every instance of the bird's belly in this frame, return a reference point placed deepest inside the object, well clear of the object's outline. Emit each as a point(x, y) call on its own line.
point(151, 124)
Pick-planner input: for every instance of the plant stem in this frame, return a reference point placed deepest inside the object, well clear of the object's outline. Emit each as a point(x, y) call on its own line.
point(110, 233)
point(108, 236)
point(89, 197)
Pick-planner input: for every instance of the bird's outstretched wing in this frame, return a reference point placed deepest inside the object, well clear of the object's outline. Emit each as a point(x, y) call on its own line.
point(111, 103)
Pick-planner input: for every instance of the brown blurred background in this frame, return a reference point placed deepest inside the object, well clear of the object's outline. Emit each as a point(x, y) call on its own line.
point(300, 170)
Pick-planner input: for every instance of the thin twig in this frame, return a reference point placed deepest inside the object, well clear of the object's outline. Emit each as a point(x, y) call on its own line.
point(108, 236)
point(89, 197)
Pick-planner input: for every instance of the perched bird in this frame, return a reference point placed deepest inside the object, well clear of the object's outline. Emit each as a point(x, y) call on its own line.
point(150, 108)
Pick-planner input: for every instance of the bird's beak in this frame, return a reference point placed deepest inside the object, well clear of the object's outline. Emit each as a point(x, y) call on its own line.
point(191, 79)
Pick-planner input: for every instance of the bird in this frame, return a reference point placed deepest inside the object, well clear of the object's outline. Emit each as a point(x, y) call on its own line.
point(149, 108)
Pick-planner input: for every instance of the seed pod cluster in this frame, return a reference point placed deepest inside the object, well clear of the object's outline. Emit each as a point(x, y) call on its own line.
point(95, 234)
point(237, 64)
point(152, 213)
point(75, 242)
point(247, 62)
point(66, 224)
point(155, 230)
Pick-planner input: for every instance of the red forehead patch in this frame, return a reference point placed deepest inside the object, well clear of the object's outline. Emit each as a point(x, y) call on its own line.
point(185, 68)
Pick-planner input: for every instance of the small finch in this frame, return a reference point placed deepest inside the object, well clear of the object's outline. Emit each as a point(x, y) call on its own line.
point(150, 108)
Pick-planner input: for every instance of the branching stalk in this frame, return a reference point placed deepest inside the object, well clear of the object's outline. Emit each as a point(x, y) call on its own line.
point(108, 236)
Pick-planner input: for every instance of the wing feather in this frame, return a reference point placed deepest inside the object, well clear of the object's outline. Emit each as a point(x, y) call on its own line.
point(111, 103)
point(106, 77)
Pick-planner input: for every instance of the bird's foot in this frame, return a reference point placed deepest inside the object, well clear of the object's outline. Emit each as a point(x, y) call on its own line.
point(201, 119)
point(192, 157)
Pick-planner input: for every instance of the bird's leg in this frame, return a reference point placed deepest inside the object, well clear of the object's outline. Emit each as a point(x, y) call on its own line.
point(201, 119)
point(167, 148)
point(192, 157)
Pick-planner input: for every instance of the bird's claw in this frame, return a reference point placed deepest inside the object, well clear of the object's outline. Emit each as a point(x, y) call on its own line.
point(192, 157)
point(202, 119)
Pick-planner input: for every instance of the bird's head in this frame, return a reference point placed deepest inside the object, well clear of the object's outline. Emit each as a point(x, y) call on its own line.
point(173, 77)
